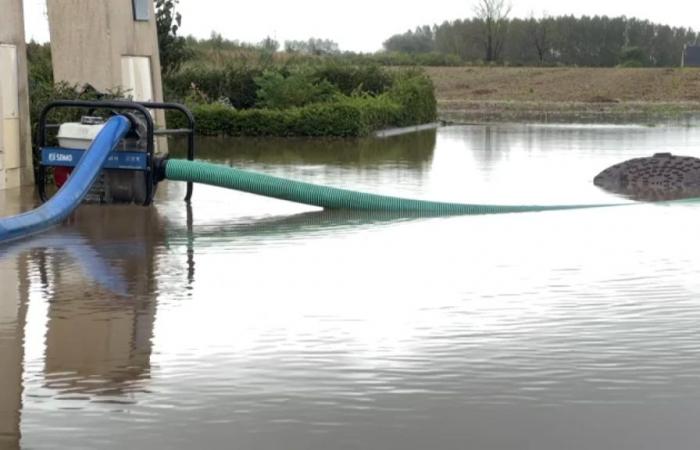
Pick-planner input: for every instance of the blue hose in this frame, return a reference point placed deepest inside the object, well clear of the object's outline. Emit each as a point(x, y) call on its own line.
point(72, 193)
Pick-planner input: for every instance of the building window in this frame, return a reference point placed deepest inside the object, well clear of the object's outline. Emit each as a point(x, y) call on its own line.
point(142, 10)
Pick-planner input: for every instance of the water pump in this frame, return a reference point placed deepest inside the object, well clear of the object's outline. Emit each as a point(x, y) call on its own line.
point(132, 171)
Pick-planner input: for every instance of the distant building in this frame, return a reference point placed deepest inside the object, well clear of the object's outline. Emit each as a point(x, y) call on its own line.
point(691, 56)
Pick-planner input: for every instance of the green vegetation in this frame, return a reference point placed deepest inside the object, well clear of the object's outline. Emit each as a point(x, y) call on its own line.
point(253, 90)
point(173, 48)
point(317, 107)
point(312, 88)
point(294, 99)
point(300, 97)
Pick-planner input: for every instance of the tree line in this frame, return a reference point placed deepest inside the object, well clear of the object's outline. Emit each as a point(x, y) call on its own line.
point(597, 41)
point(176, 50)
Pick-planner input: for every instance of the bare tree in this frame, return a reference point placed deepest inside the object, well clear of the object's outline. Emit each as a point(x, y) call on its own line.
point(494, 15)
point(538, 31)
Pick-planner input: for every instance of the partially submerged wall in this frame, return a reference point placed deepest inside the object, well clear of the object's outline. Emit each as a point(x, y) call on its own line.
point(15, 134)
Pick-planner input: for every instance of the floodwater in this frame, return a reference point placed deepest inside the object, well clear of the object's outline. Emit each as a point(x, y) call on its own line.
point(249, 323)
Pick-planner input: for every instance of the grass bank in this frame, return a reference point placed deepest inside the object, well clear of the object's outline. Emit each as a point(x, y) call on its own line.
point(565, 94)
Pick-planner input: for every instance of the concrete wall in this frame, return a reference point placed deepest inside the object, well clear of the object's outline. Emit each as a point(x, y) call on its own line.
point(89, 38)
point(15, 134)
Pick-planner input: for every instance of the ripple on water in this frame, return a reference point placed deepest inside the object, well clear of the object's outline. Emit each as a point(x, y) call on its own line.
point(273, 326)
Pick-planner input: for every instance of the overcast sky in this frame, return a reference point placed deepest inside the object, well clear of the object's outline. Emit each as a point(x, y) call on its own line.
point(362, 25)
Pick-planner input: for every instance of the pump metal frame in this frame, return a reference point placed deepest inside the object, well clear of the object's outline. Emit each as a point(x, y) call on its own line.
point(116, 106)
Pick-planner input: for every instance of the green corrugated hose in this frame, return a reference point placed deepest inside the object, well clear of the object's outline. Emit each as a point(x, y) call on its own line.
point(334, 198)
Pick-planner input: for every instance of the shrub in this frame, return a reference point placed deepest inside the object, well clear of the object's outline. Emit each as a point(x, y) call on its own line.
point(292, 84)
point(210, 119)
point(296, 89)
point(236, 83)
point(321, 119)
point(633, 57)
point(409, 101)
point(376, 112)
point(415, 93)
point(39, 64)
point(263, 122)
point(346, 117)
point(331, 119)
point(351, 79)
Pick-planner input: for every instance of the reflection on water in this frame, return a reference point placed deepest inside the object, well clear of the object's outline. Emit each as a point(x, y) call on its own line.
point(99, 343)
point(95, 276)
point(13, 309)
point(414, 150)
point(251, 323)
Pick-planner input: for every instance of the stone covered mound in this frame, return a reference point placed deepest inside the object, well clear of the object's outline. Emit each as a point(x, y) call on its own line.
point(660, 177)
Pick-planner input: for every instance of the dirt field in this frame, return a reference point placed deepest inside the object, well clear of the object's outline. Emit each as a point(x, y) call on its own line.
point(502, 93)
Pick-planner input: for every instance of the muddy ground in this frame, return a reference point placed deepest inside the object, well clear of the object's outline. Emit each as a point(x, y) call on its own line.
point(564, 94)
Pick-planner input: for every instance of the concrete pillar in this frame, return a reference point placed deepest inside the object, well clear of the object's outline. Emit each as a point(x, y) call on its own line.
point(109, 44)
point(15, 134)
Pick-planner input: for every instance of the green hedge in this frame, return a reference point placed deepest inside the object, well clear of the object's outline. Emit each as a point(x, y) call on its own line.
point(232, 82)
point(331, 119)
point(325, 99)
point(275, 90)
point(346, 117)
point(410, 101)
point(350, 79)
point(249, 86)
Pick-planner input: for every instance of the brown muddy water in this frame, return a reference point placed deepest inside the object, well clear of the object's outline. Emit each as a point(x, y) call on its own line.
point(249, 323)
